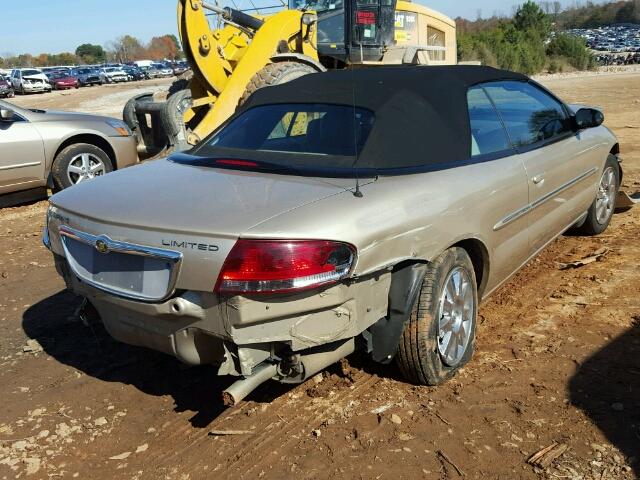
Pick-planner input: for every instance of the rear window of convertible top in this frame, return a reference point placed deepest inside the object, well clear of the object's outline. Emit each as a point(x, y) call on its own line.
point(296, 135)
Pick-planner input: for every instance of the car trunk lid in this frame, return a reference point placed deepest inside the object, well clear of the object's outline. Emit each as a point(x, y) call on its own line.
point(194, 211)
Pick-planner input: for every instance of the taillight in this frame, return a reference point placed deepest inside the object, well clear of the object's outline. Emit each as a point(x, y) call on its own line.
point(276, 266)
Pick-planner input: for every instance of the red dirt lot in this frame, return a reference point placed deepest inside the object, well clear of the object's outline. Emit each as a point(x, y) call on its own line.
point(557, 361)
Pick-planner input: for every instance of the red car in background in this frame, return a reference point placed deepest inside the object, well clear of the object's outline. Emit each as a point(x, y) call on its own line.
point(6, 90)
point(63, 81)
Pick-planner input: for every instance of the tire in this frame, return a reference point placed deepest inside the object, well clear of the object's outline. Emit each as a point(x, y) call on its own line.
point(276, 74)
point(129, 111)
point(419, 354)
point(597, 220)
point(182, 83)
point(73, 154)
point(173, 114)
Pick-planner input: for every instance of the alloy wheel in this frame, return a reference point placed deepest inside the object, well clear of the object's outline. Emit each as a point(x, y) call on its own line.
point(456, 312)
point(84, 167)
point(606, 197)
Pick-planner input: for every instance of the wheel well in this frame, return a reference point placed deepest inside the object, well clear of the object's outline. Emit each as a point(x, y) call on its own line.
point(616, 151)
point(480, 260)
point(96, 140)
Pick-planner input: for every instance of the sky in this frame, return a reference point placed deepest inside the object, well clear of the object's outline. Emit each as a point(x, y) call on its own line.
point(55, 26)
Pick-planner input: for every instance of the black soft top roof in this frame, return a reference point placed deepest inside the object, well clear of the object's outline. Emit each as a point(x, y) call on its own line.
point(421, 112)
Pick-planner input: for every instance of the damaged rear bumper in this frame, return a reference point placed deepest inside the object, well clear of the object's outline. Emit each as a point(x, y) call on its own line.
point(240, 334)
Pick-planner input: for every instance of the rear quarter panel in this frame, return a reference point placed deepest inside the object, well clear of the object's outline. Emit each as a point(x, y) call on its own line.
point(417, 217)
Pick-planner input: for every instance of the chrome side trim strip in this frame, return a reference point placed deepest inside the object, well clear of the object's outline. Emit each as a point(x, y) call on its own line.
point(20, 165)
point(104, 244)
point(512, 217)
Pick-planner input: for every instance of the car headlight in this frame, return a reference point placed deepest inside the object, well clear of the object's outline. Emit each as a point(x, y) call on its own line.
point(120, 127)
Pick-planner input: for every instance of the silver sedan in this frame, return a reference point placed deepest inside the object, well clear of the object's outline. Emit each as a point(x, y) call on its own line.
point(40, 149)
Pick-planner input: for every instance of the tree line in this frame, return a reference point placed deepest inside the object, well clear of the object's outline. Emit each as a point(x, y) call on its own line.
point(121, 50)
point(590, 15)
point(529, 42)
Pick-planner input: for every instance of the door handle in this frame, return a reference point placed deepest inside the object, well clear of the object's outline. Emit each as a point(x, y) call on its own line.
point(538, 179)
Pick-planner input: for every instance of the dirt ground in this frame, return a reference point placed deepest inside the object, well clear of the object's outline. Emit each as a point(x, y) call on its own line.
point(558, 360)
point(99, 99)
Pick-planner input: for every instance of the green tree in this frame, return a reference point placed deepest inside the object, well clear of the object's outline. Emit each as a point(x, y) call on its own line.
point(89, 53)
point(530, 16)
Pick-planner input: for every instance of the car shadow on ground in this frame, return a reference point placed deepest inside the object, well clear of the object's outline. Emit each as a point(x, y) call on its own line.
point(606, 387)
point(54, 323)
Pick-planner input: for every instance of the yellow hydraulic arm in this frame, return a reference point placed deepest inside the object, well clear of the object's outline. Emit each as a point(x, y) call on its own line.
point(225, 60)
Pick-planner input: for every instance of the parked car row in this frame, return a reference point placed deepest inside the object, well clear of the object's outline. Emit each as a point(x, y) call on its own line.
point(611, 38)
point(618, 59)
point(34, 80)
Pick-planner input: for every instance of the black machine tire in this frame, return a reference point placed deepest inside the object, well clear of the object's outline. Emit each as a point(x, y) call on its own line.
point(276, 74)
point(182, 83)
point(593, 224)
point(63, 159)
point(173, 114)
point(419, 357)
point(129, 111)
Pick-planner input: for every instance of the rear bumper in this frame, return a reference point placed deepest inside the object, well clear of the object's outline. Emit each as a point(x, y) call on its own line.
point(125, 149)
point(238, 333)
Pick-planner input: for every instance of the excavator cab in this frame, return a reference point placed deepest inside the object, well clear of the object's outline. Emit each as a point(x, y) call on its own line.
point(351, 31)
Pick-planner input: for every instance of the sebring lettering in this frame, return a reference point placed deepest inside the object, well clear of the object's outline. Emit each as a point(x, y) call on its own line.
point(190, 245)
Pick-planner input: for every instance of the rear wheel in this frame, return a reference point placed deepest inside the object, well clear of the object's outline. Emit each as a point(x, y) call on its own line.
point(276, 74)
point(78, 163)
point(439, 337)
point(602, 208)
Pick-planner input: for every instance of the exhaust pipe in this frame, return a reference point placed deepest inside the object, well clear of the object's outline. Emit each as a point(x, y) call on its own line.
point(307, 365)
point(312, 363)
point(240, 389)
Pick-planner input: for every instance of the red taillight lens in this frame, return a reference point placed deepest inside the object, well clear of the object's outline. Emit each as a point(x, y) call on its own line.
point(270, 266)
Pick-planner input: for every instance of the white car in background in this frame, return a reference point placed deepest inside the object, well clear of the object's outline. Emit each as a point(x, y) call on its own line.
point(163, 70)
point(29, 80)
point(113, 75)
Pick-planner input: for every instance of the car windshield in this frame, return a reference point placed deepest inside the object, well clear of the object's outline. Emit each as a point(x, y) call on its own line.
point(31, 72)
point(110, 69)
point(58, 75)
point(293, 135)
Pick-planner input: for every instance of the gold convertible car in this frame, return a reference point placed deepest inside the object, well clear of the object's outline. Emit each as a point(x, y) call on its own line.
point(361, 209)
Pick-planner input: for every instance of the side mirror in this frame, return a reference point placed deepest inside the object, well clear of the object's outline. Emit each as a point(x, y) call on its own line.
point(6, 114)
point(588, 118)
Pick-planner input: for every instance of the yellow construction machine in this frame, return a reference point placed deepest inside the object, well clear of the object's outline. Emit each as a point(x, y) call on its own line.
point(242, 53)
